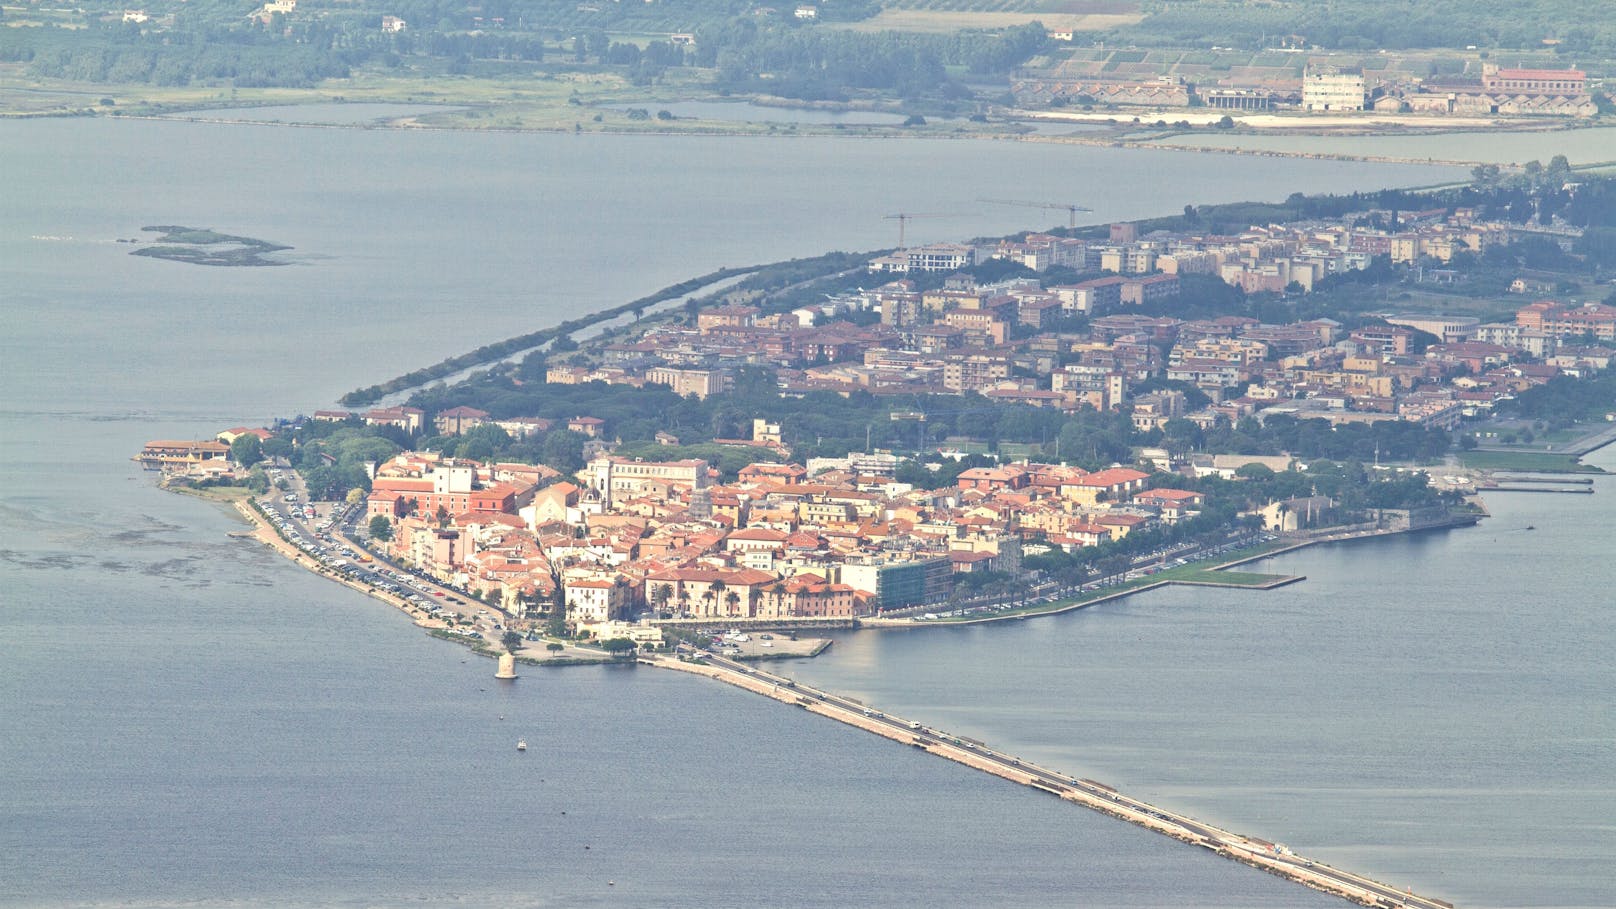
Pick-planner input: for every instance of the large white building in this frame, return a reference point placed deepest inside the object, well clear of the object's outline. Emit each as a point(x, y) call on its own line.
point(614, 478)
point(933, 257)
point(592, 600)
point(1329, 89)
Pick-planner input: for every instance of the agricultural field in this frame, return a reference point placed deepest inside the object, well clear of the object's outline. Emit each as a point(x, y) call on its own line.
point(1119, 8)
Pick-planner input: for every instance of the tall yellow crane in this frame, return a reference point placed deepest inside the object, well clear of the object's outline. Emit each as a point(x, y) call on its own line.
point(904, 217)
point(1070, 209)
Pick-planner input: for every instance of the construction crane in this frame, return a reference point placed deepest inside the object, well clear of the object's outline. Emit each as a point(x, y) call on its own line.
point(1070, 209)
point(904, 217)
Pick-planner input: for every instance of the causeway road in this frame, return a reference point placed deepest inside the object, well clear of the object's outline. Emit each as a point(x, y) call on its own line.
point(1258, 853)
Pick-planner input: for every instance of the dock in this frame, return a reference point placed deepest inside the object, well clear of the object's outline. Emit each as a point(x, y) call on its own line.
point(1266, 856)
point(1527, 487)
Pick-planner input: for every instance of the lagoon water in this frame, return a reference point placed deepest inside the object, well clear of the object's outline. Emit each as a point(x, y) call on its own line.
point(188, 720)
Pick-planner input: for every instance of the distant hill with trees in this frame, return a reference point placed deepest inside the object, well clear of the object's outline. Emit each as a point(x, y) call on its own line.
point(743, 45)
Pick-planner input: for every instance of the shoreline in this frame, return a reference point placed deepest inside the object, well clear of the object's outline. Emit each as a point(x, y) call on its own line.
point(265, 533)
point(1167, 141)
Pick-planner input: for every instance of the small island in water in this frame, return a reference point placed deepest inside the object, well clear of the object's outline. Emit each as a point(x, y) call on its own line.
point(208, 247)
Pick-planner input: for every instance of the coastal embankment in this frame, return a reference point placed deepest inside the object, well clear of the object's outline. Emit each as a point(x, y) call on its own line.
point(1126, 589)
point(1271, 857)
point(265, 533)
point(1217, 575)
point(535, 652)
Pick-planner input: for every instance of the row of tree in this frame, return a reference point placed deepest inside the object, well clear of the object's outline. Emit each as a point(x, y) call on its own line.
point(831, 64)
point(245, 65)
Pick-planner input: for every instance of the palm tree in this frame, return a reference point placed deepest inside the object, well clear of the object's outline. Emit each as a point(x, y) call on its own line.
point(732, 599)
point(713, 590)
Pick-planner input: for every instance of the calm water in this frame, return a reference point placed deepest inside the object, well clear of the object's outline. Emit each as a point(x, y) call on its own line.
point(1436, 711)
point(189, 721)
point(1580, 146)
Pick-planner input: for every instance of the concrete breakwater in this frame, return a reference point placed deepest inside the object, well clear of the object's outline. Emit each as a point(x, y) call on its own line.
point(1075, 604)
point(1273, 858)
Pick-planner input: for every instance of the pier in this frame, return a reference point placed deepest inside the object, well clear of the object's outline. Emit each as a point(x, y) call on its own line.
point(1513, 482)
point(1270, 857)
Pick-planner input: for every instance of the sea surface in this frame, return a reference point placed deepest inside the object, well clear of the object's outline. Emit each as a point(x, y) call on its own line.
point(188, 720)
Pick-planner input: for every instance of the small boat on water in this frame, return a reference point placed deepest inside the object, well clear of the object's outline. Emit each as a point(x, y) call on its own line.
point(521, 744)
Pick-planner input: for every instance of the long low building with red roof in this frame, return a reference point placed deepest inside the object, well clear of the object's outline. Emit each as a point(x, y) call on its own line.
point(171, 453)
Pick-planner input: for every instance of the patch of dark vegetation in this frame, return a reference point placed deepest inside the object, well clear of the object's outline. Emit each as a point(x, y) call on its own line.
point(208, 247)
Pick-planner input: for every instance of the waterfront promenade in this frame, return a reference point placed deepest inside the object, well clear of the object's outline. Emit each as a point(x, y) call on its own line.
point(1273, 858)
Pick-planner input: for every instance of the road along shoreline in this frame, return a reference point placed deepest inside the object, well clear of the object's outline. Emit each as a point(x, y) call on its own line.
point(1270, 857)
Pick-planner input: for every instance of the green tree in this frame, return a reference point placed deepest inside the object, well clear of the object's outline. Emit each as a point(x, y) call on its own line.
point(555, 647)
point(564, 450)
point(1254, 472)
point(277, 447)
point(258, 481)
point(381, 528)
point(247, 450)
point(512, 641)
point(618, 646)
